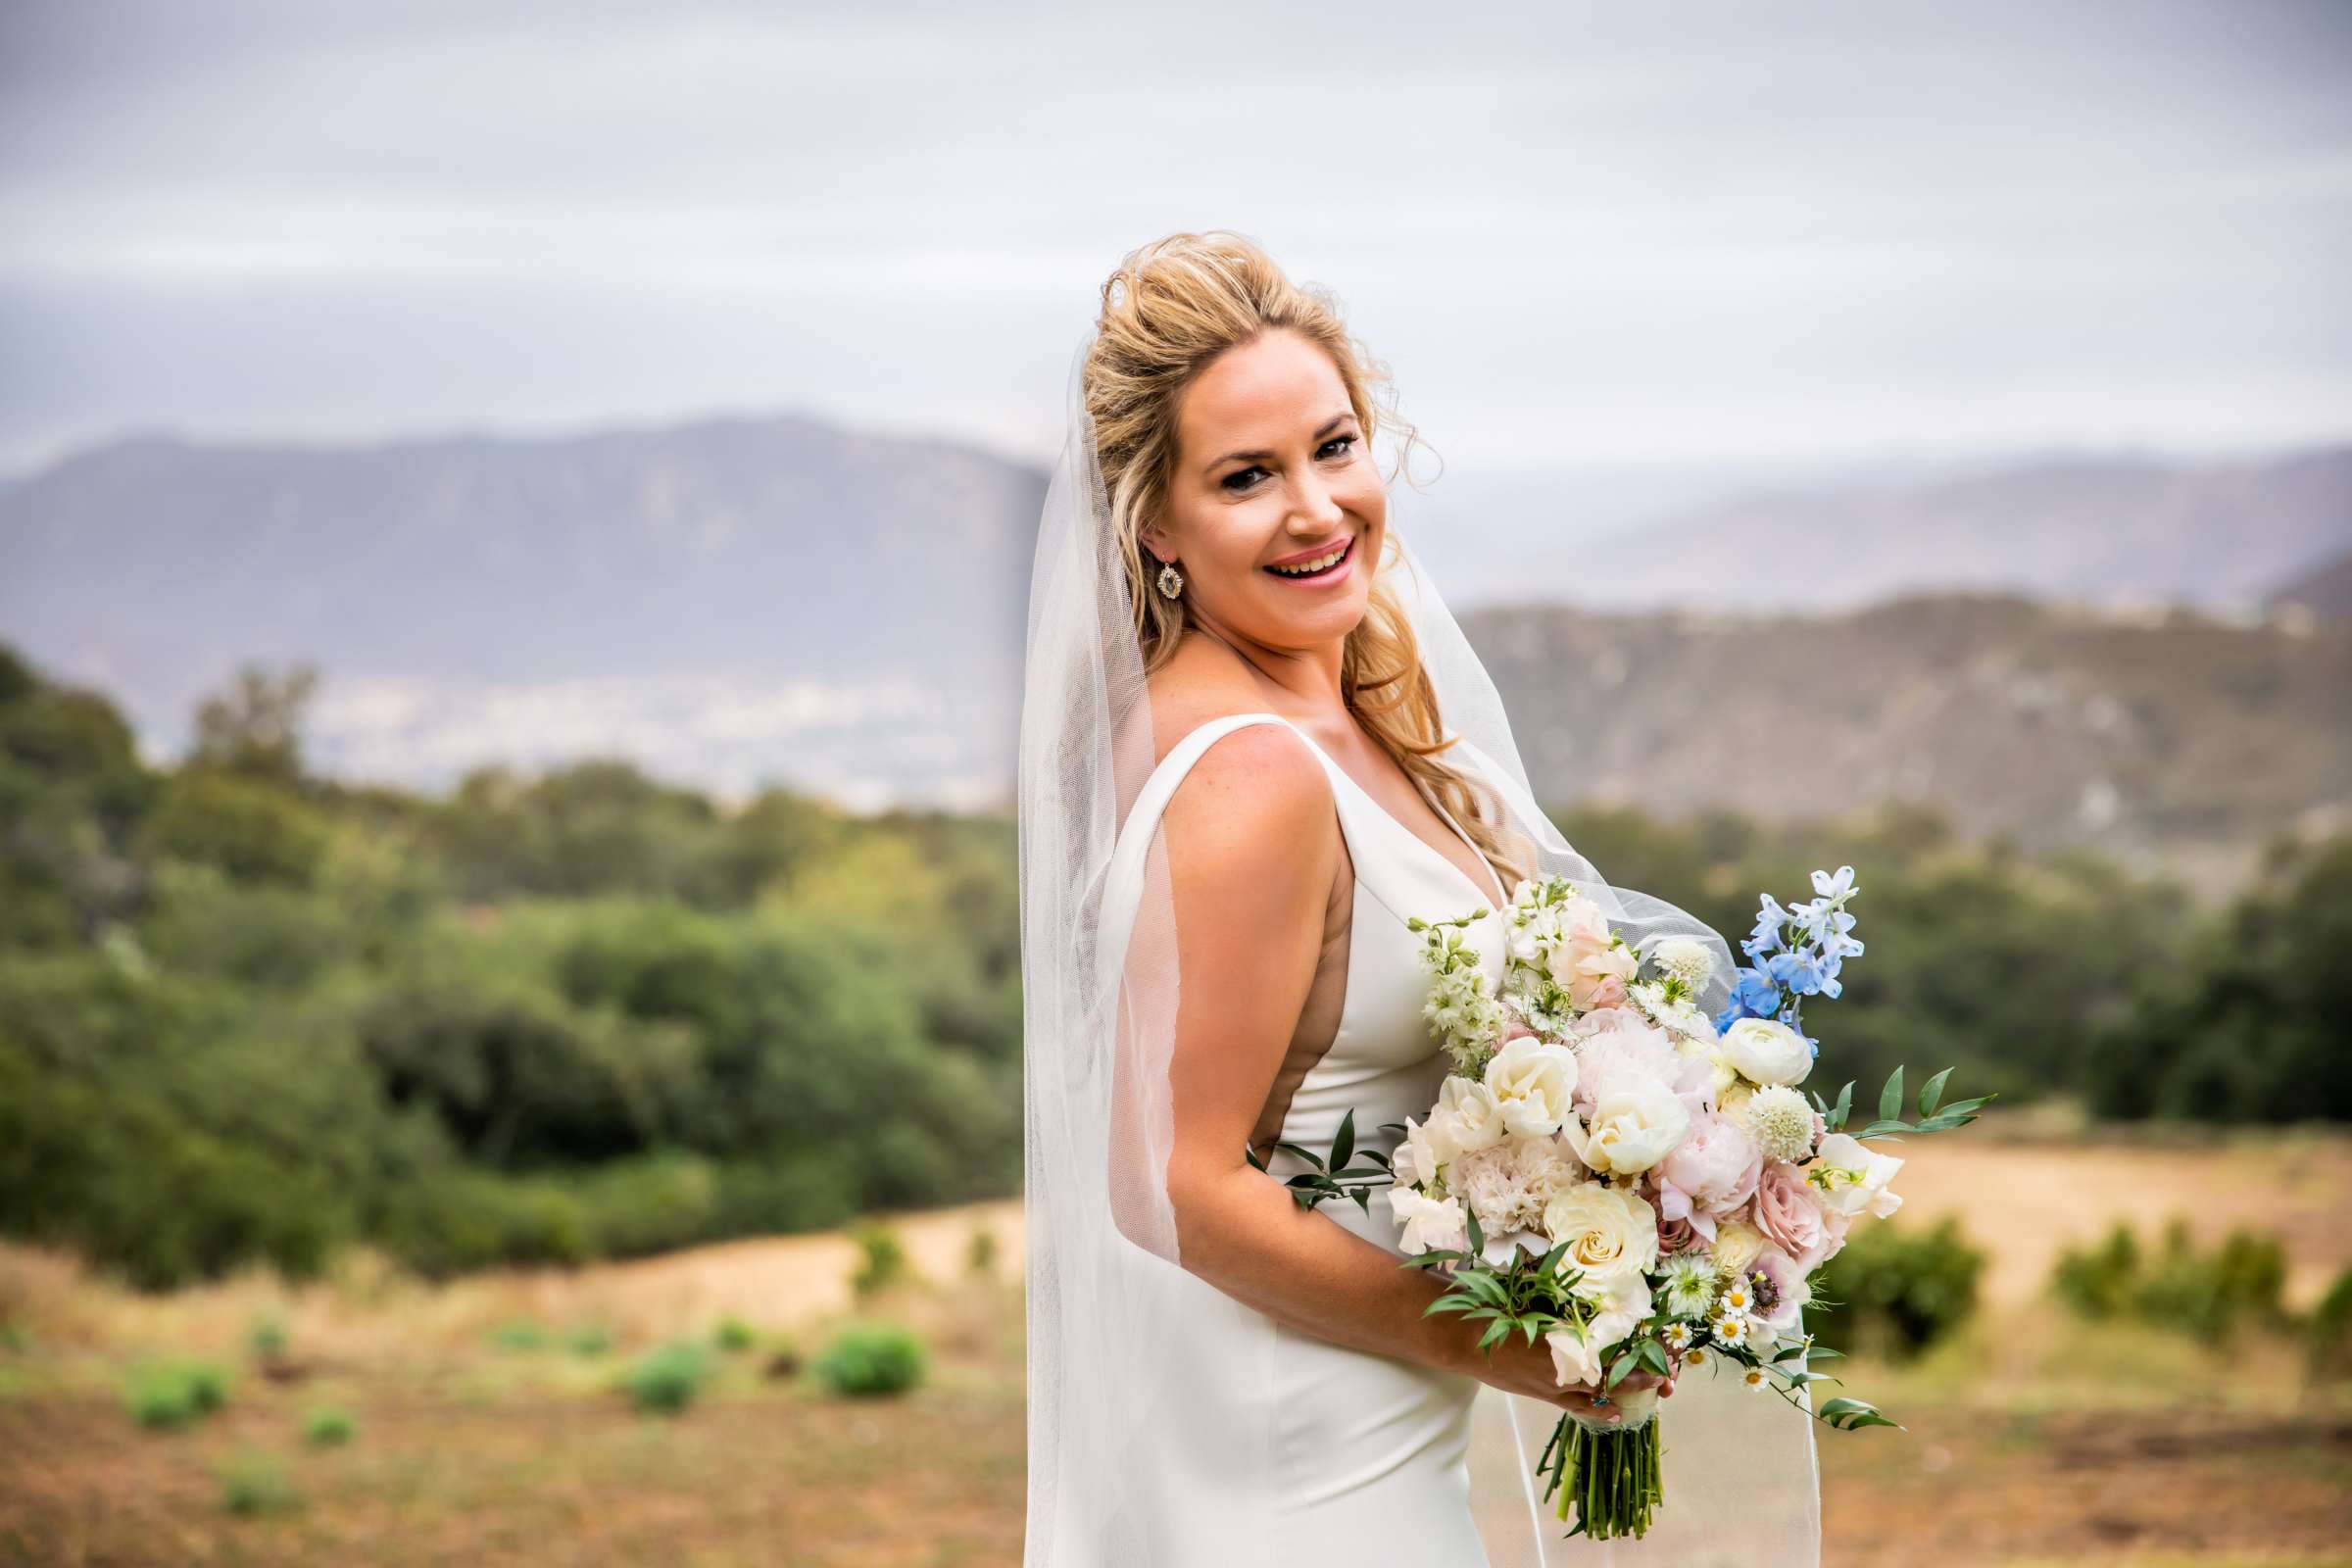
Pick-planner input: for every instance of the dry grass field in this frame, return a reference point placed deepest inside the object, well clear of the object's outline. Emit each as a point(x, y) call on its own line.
point(490, 1427)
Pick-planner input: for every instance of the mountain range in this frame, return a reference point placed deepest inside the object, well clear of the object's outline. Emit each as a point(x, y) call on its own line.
point(747, 599)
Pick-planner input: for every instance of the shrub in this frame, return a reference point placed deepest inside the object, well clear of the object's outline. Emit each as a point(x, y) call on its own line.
point(2210, 1295)
point(668, 1379)
point(252, 1482)
point(590, 1338)
point(981, 1256)
point(328, 1426)
point(266, 1337)
point(2329, 1334)
point(1906, 1286)
point(874, 1358)
point(734, 1334)
point(175, 1393)
point(884, 1260)
point(518, 1334)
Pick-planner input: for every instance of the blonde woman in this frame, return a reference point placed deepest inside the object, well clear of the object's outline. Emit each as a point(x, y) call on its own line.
point(1253, 745)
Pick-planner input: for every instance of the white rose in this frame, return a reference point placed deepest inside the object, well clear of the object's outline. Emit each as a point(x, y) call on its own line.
point(1634, 1125)
point(1862, 1188)
point(1736, 1244)
point(1468, 1118)
point(1767, 1053)
point(1429, 1222)
point(1532, 1080)
point(1608, 1229)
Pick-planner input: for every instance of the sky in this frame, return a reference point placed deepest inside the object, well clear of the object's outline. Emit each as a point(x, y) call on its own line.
point(1649, 239)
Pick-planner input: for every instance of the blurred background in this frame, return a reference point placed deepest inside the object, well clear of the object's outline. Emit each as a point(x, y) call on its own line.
point(514, 530)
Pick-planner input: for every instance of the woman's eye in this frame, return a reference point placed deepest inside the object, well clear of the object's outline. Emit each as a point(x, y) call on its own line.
point(1239, 478)
point(1338, 441)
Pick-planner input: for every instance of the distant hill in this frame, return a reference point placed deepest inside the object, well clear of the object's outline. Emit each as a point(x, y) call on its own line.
point(2165, 734)
point(730, 601)
point(2326, 591)
point(2225, 535)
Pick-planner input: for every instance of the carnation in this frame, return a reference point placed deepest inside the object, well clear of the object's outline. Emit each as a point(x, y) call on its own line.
point(1778, 1118)
point(1493, 1183)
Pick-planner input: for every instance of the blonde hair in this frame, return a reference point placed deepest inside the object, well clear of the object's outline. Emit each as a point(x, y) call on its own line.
point(1171, 308)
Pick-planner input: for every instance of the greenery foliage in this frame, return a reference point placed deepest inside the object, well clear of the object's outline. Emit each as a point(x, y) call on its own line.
point(175, 1393)
point(871, 1359)
point(2208, 1292)
point(1900, 1287)
point(668, 1379)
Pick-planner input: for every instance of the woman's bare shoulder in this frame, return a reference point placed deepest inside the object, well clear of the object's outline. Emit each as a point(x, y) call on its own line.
point(1196, 686)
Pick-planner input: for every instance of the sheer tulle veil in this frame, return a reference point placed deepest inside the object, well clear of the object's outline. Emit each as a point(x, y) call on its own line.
point(1105, 1280)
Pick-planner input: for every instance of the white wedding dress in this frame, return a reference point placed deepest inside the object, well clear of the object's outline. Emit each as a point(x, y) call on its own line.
point(1285, 1447)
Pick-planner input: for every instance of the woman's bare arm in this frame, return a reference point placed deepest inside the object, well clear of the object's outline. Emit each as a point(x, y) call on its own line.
point(1254, 845)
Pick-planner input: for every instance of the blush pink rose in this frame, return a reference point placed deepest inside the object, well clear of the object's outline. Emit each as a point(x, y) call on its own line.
point(1790, 1217)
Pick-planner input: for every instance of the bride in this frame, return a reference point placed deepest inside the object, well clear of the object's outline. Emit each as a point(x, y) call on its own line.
point(1253, 744)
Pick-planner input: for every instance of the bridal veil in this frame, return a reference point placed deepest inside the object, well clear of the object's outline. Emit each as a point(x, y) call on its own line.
point(1101, 984)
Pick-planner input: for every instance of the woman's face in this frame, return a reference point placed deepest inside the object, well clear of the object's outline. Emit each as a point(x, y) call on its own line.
point(1271, 467)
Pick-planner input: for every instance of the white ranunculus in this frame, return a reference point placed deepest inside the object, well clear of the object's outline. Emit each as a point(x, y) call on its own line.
point(1861, 1187)
point(1634, 1125)
point(1532, 1079)
point(1605, 1228)
point(1467, 1118)
point(1429, 1222)
point(1767, 1053)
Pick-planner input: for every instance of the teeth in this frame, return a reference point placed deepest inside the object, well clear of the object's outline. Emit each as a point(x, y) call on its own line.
point(1316, 564)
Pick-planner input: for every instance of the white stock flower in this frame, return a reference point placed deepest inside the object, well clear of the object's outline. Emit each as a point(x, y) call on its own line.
point(1605, 1228)
point(1532, 1079)
point(1780, 1122)
point(1852, 1180)
point(1767, 1053)
point(1633, 1126)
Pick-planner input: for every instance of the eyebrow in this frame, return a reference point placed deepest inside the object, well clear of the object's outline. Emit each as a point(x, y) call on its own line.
point(1328, 426)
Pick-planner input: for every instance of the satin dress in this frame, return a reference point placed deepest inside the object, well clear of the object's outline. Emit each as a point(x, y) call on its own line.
point(1287, 1448)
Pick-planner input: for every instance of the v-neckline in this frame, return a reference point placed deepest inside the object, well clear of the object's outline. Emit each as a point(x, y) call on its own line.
point(1430, 850)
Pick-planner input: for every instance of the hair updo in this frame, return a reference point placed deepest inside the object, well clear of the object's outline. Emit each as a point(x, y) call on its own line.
point(1171, 308)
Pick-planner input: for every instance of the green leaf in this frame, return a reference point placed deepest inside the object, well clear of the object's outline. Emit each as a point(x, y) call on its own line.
point(1306, 1155)
point(1890, 1100)
point(1619, 1368)
point(1845, 1101)
point(1344, 1145)
point(1932, 1091)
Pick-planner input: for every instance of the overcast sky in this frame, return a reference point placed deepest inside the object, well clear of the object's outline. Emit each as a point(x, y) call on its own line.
point(1580, 234)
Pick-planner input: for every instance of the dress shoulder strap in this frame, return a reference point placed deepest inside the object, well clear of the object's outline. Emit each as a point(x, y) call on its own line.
point(1123, 881)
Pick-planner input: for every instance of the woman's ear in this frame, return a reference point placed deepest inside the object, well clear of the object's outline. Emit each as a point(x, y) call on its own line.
point(1155, 539)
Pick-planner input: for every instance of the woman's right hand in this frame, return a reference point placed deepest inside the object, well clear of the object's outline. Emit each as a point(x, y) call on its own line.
point(1518, 1367)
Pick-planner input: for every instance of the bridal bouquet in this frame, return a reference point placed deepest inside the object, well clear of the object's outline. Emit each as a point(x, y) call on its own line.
point(1636, 1182)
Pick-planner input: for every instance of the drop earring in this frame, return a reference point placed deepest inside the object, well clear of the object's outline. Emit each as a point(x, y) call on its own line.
point(1172, 581)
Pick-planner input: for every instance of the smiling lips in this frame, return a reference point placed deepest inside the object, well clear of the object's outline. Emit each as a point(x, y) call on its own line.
point(1317, 567)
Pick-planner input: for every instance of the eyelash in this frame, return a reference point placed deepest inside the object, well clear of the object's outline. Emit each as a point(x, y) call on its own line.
point(1228, 483)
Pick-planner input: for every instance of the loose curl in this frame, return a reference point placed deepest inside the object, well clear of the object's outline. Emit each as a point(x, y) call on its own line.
point(1171, 308)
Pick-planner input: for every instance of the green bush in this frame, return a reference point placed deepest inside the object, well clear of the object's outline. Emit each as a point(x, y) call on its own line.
point(668, 1379)
point(253, 1481)
point(265, 1337)
point(882, 1259)
point(1897, 1285)
point(2211, 1294)
point(518, 1334)
point(2329, 1334)
point(328, 1426)
point(175, 1393)
point(734, 1335)
point(589, 1339)
point(980, 1257)
point(871, 1359)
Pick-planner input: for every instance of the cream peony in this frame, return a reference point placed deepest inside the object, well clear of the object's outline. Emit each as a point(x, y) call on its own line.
point(1852, 1180)
point(1634, 1125)
point(1711, 1172)
point(1605, 1228)
point(1532, 1080)
point(1767, 1053)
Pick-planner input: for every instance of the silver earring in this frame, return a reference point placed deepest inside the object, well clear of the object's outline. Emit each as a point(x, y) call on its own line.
point(1172, 581)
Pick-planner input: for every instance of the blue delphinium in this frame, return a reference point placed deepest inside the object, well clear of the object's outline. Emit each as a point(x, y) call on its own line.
point(1796, 953)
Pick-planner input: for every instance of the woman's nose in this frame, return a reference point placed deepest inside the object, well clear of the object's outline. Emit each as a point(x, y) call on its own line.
point(1314, 502)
